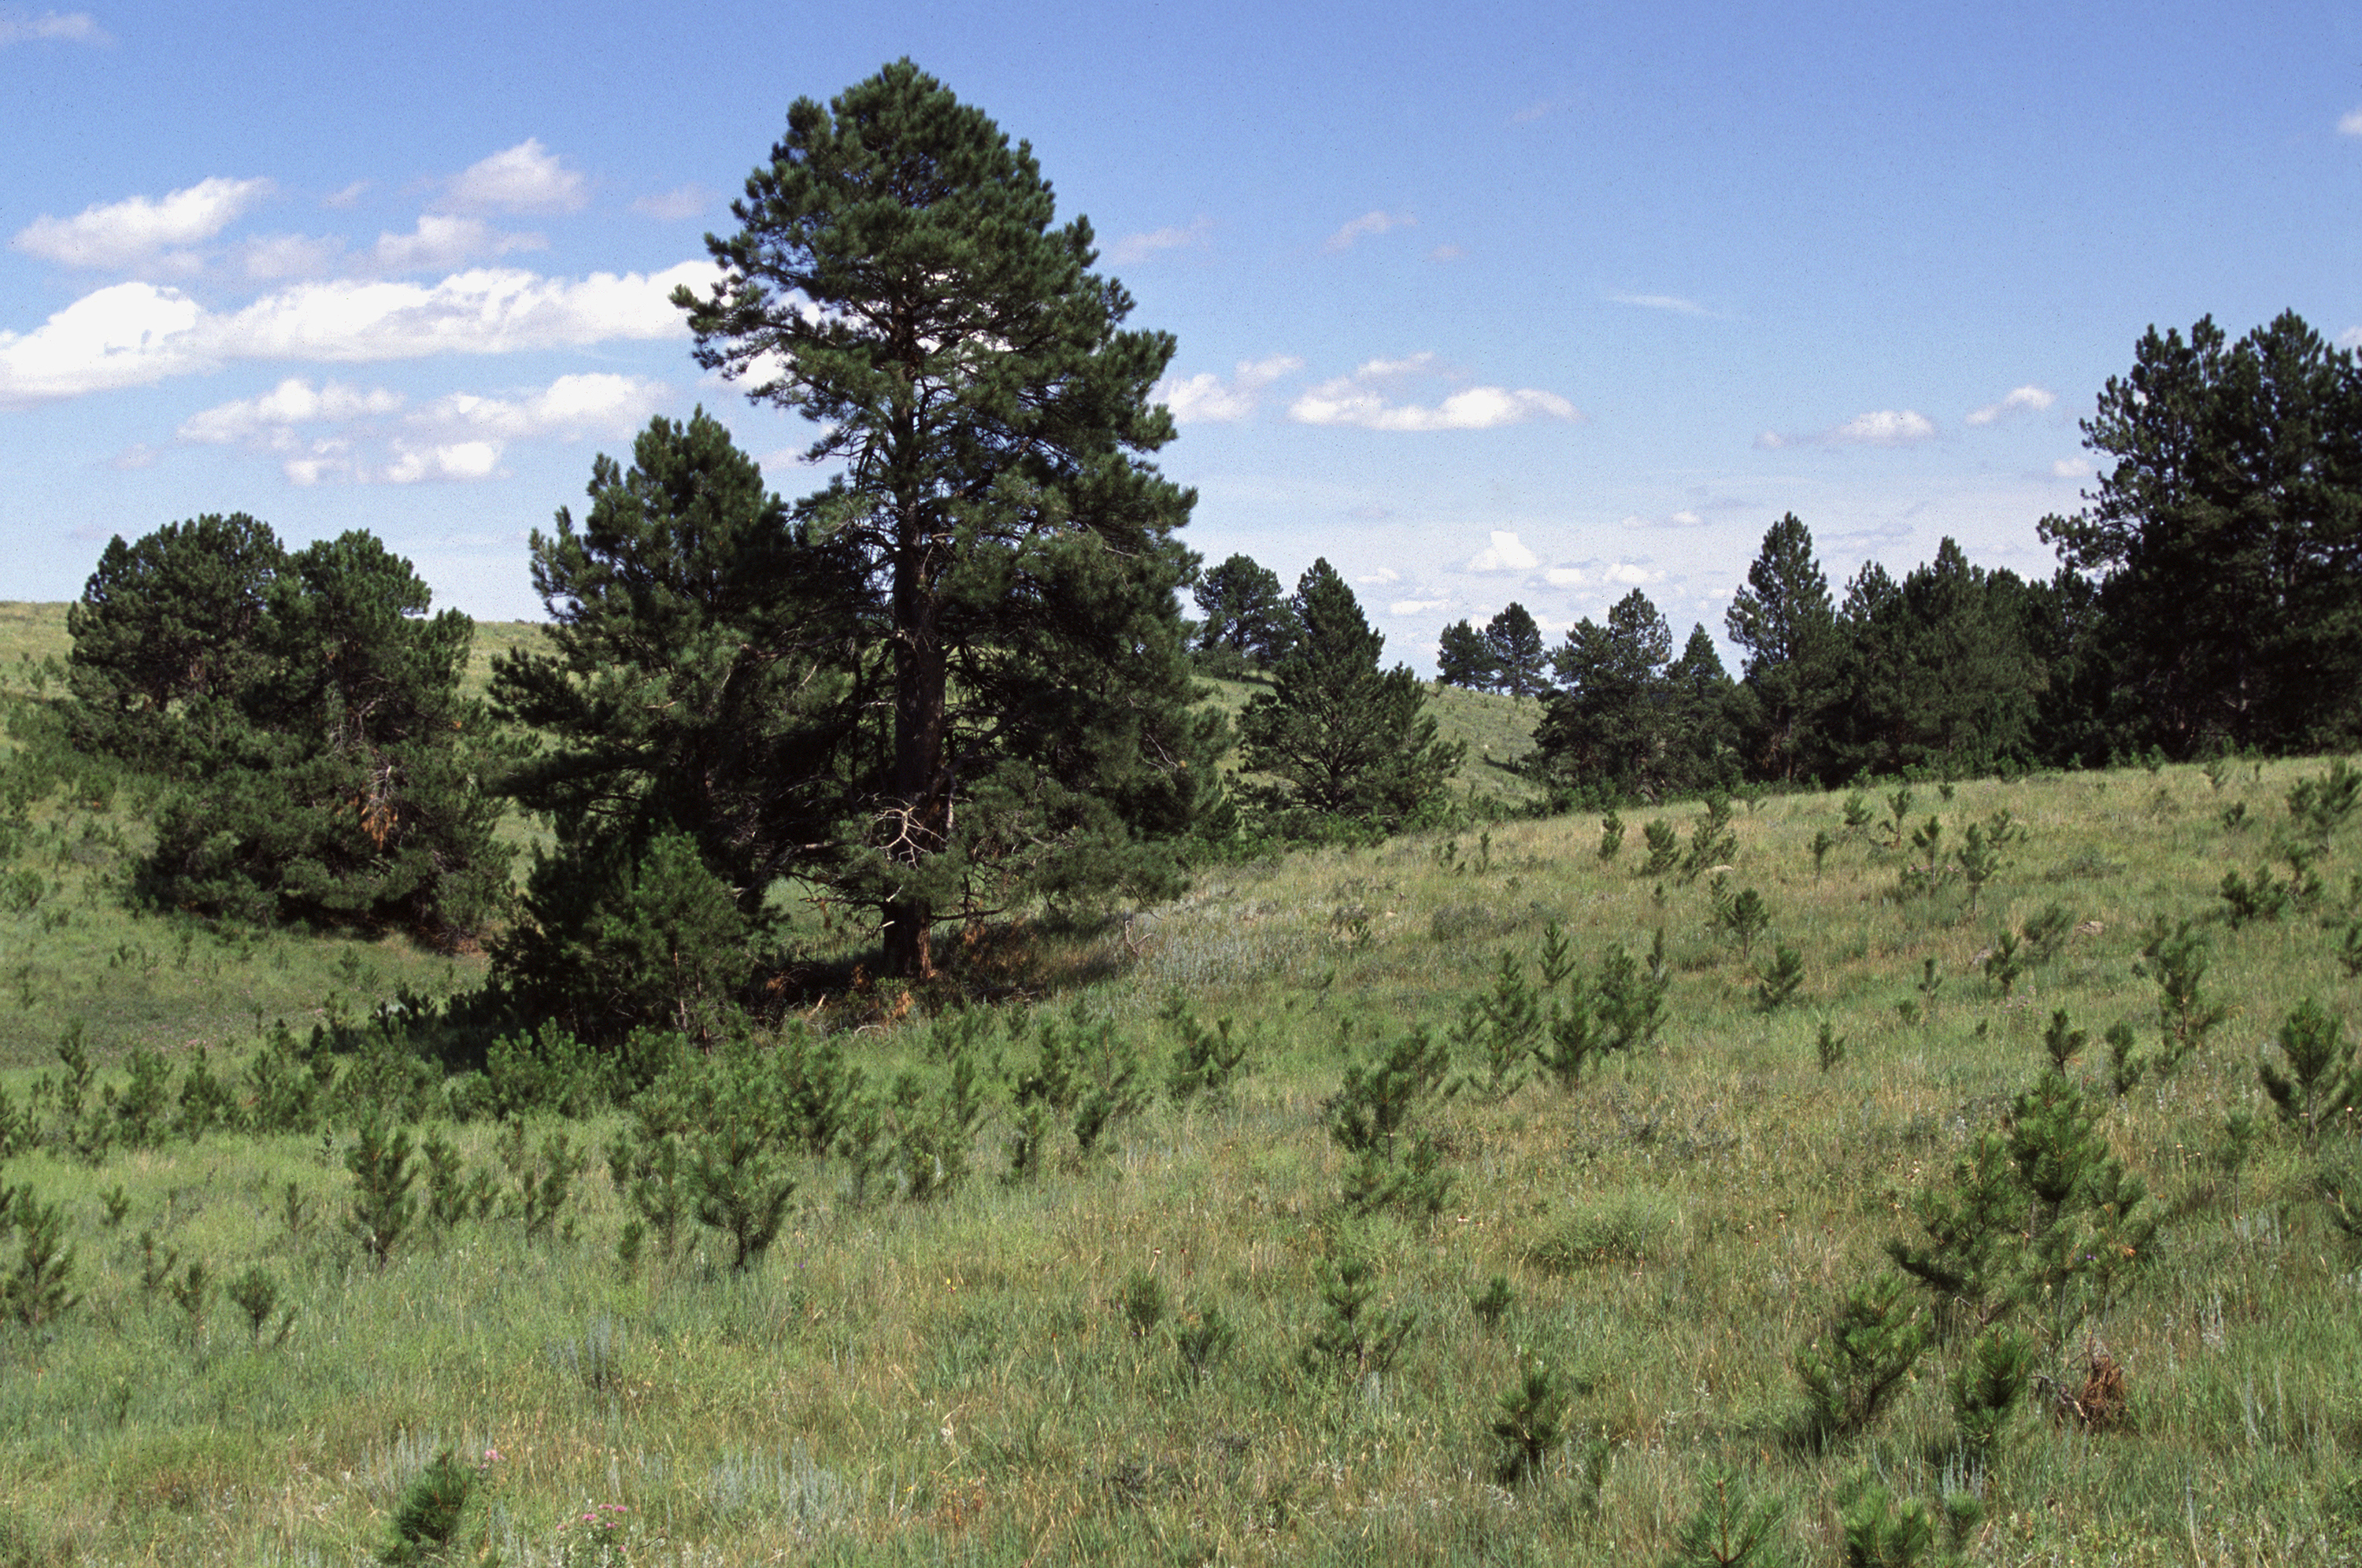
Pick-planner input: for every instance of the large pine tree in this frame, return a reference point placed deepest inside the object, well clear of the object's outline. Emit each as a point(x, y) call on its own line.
point(897, 279)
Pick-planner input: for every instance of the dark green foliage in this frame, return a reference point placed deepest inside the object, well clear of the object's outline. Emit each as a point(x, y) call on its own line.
point(2045, 933)
point(2261, 899)
point(739, 1190)
point(1464, 658)
point(1088, 1074)
point(818, 1088)
point(1529, 1422)
point(341, 780)
point(1972, 1225)
point(1783, 619)
point(1010, 659)
point(1883, 1533)
point(616, 941)
point(1247, 616)
point(427, 1518)
point(2222, 533)
point(1777, 985)
point(1492, 1303)
point(1829, 1046)
point(1862, 1359)
point(139, 1110)
point(1347, 737)
point(1664, 847)
point(115, 1205)
point(1611, 836)
point(1630, 996)
point(2088, 1222)
point(1743, 915)
point(284, 1082)
point(2324, 1081)
point(2004, 963)
point(165, 627)
point(383, 1205)
point(1518, 655)
point(1371, 1113)
point(2061, 1040)
point(190, 1294)
point(543, 1177)
point(34, 1291)
point(1729, 1528)
point(549, 1070)
point(2338, 1180)
point(204, 1102)
point(1628, 720)
point(1204, 1340)
point(256, 1293)
point(1821, 846)
point(446, 1197)
point(1986, 1386)
point(1979, 860)
point(1143, 1302)
point(1355, 1334)
point(2318, 807)
point(1712, 842)
point(2126, 1066)
point(1499, 1029)
point(1207, 1061)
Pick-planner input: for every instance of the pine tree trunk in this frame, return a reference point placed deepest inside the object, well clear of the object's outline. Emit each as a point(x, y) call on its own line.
point(920, 807)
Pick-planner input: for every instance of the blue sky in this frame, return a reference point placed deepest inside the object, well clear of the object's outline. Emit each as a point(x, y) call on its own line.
point(1528, 302)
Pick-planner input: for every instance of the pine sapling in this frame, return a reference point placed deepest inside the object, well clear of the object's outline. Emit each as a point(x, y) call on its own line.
point(2004, 963)
point(1205, 1340)
point(1611, 836)
point(256, 1293)
point(2176, 960)
point(1781, 979)
point(1664, 847)
point(383, 1205)
point(1492, 1303)
point(1980, 861)
point(2126, 1065)
point(2323, 1079)
point(1356, 1335)
point(1829, 1047)
point(1862, 1359)
point(1729, 1529)
point(1883, 1533)
point(1986, 1387)
point(1821, 846)
point(1528, 1423)
point(1142, 1301)
point(35, 1291)
point(427, 1518)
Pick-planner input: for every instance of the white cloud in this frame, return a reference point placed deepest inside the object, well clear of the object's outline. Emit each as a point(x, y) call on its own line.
point(599, 403)
point(135, 334)
point(1771, 441)
point(1884, 427)
point(442, 240)
point(51, 26)
point(1379, 578)
point(121, 234)
point(458, 460)
point(1566, 577)
point(1359, 399)
point(1628, 574)
point(2071, 469)
point(1206, 399)
point(275, 256)
point(2350, 123)
point(1682, 519)
point(2021, 399)
point(525, 179)
point(1368, 224)
point(1504, 553)
point(1416, 606)
point(345, 197)
point(1446, 253)
point(672, 206)
point(268, 420)
point(1672, 302)
point(1134, 248)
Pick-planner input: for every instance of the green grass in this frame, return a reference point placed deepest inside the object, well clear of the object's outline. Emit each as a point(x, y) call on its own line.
point(961, 1380)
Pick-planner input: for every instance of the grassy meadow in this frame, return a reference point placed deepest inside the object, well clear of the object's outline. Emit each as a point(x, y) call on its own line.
point(1122, 1348)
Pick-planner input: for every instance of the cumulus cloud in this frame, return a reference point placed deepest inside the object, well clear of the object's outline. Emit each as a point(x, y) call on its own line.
point(443, 240)
point(1674, 302)
point(322, 433)
point(51, 26)
point(1416, 606)
point(1206, 399)
point(596, 404)
point(136, 334)
point(1883, 427)
point(1504, 553)
point(2021, 400)
point(127, 233)
point(1361, 399)
point(1379, 578)
point(272, 257)
point(526, 178)
point(1682, 519)
point(2071, 469)
point(1611, 574)
point(1134, 248)
point(1369, 224)
point(673, 206)
point(2350, 123)
point(268, 421)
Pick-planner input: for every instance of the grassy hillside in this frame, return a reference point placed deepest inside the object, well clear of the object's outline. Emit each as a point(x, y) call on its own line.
point(1005, 1372)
